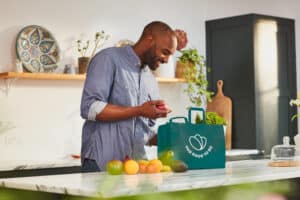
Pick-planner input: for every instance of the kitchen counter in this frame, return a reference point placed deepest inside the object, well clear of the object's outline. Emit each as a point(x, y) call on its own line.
point(104, 185)
point(24, 168)
point(38, 164)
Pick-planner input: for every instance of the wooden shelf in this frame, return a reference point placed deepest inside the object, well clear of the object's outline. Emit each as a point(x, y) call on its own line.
point(79, 77)
point(41, 76)
point(170, 80)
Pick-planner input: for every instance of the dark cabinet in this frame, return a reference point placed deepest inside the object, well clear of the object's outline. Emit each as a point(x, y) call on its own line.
point(255, 56)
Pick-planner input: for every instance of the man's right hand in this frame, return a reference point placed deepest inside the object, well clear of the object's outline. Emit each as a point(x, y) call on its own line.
point(150, 110)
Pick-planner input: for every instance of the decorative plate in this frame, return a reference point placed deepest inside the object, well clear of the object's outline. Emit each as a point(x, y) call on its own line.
point(37, 49)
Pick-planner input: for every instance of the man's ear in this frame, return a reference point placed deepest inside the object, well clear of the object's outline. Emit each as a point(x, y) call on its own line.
point(149, 37)
point(150, 40)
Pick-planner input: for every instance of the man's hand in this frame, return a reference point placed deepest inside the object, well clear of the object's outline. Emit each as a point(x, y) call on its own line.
point(150, 109)
point(153, 109)
point(153, 140)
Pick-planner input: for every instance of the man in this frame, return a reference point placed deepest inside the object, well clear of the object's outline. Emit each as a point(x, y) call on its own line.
point(118, 98)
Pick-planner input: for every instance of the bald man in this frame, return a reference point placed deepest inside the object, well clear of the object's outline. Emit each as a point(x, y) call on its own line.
point(120, 98)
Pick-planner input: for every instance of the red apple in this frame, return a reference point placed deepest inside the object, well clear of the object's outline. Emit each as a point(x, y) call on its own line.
point(162, 107)
point(126, 158)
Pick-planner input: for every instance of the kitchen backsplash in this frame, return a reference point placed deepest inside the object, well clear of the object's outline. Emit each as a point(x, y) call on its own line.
point(40, 120)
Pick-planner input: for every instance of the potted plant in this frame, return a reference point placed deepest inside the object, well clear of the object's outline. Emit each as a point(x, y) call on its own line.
point(84, 46)
point(194, 74)
point(181, 43)
point(185, 61)
point(191, 66)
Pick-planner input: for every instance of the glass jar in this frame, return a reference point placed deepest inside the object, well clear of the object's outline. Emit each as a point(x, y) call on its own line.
point(283, 152)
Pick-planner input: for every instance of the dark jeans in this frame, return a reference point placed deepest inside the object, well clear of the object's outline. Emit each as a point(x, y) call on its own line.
point(89, 165)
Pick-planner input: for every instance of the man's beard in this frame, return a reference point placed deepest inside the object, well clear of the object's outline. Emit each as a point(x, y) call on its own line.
point(153, 62)
point(153, 66)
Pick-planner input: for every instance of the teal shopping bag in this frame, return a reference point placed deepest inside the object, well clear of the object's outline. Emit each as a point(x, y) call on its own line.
point(200, 146)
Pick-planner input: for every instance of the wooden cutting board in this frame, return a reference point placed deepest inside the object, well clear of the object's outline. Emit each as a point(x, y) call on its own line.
point(222, 105)
point(286, 163)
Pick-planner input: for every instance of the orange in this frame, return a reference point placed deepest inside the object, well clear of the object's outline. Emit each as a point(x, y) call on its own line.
point(131, 167)
point(142, 168)
point(157, 163)
point(152, 168)
point(143, 162)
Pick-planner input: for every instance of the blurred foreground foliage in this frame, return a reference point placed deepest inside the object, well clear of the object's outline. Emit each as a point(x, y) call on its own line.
point(283, 190)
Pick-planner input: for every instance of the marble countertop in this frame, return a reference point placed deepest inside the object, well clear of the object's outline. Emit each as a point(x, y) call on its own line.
point(104, 185)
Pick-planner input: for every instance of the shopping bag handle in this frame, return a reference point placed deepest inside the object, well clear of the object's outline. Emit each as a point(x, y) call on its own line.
point(173, 118)
point(196, 109)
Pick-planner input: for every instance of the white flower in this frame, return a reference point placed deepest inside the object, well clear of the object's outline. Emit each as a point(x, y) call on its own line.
point(295, 102)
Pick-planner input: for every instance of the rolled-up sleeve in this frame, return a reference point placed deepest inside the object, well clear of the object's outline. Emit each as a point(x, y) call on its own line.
point(97, 86)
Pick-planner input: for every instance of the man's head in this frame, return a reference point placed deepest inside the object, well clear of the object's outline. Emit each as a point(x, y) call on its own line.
point(157, 43)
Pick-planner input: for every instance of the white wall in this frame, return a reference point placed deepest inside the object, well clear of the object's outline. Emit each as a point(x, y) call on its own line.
point(45, 114)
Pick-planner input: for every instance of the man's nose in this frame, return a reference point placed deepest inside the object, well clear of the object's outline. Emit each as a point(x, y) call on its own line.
point(166, 59)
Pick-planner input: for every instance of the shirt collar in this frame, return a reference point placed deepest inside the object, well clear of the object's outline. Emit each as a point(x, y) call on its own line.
point(133, 57)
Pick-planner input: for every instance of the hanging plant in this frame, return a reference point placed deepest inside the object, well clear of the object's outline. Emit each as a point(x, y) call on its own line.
point(195, 76)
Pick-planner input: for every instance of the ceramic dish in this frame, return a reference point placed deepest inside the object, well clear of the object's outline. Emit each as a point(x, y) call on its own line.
point(37, 49)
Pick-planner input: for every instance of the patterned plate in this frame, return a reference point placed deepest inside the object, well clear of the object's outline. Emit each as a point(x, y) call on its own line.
point(37, 49)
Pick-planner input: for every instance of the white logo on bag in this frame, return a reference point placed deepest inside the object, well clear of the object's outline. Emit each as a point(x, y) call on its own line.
point(197, 146)
point(198, 142)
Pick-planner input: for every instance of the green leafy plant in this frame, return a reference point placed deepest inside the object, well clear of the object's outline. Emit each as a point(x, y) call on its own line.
point(99, 40)
point(195, 76)
point(212, 118)
point(295, 102)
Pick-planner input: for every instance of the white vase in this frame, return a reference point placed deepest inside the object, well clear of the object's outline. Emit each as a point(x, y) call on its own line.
point(166, 70)
point(297, 140)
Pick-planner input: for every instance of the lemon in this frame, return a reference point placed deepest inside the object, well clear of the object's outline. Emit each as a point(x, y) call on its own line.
point(166, 168)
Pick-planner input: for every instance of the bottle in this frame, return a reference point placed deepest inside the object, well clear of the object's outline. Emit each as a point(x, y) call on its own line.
point(297, 140)
point(69, 69)
point(283, 152)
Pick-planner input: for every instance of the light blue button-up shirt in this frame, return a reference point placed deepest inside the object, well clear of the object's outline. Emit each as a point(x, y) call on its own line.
point(115, 76)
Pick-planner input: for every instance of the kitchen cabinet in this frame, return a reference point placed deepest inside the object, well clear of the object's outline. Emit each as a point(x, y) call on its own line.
point(255, 57)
